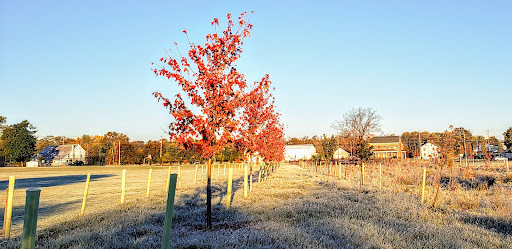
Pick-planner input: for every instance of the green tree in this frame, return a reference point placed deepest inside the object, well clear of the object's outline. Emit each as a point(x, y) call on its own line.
point(329, 146)
point(508, 139)
point(363, 150)
point(18, 141)
point(3, 121)
point(110, 146)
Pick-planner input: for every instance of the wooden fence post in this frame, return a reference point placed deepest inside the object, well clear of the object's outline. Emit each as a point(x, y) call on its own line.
point(380, 176)
point(8, 207)
point(168, 180)
point(202, 173)
point(85, 193)
point(259, 175)
point(123, 186)
point(362, 175)
point(149, 182)
point(169, 212)
point(230, 186)
point(423, 185)
point(339, 171)
point(179, 175)
point(30, 223)
point(250, 178)
point(195, 175)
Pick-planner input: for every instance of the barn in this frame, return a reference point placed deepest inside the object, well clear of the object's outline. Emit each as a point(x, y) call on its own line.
point(341, 154)
point(59, 155)
point(299, 152)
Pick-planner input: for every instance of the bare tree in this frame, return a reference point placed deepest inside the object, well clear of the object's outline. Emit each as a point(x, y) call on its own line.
point(357, 126)
point(358, 123)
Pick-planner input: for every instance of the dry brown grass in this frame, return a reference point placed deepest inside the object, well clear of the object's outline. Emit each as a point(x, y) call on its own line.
point(479, 189)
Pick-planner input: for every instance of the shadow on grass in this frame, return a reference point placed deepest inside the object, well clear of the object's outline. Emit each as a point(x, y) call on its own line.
point(51, 181)
point(139, 224)
point(489, 223)
point(18, 212)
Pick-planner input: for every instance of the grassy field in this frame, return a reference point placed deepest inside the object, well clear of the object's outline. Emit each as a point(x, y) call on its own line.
point(62, 188)
point(294, 208)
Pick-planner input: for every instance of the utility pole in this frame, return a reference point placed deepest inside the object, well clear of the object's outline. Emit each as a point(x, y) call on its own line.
point(477, 146)
point(488, 142)
point(113, 153)
point(119, 152)
point(161, 145)
point(419, 144)
point(464, 136)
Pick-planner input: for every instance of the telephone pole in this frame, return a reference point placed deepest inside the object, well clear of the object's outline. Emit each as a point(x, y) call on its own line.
point(161, 145)
point(119, 152)
point(464, 136)
point(419, 144)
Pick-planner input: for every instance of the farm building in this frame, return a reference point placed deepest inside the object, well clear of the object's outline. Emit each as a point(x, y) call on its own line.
point(299, 151)
point(429, 151)
point(59, 155)
point(387, 147)
point(340, 154)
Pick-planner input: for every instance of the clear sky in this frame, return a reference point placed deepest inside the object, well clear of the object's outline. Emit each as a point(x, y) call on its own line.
point(83, 67)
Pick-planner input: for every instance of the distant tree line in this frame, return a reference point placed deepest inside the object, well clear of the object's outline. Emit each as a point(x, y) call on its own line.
point(113, 146)
point(18, 144)
point(464, 141)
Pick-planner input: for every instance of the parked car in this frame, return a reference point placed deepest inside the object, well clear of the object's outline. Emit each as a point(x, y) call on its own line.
point(77, 163)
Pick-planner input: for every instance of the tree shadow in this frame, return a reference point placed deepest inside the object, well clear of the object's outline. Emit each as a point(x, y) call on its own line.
point(493, 224)
point(18, 212)
point(51, 181)
point(120, 228)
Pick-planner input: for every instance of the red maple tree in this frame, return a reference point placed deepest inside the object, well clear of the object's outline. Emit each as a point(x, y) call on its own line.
point(261, 133)
point(214, 114)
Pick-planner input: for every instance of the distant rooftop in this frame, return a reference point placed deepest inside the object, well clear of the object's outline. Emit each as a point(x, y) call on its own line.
point(50, 152)
point(385, 139)
point(299, 146)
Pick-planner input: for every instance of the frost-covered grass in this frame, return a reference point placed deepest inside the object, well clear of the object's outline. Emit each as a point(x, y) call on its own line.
point(293, 208)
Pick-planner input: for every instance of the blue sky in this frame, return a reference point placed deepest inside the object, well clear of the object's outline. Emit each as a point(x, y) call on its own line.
point(83, 67)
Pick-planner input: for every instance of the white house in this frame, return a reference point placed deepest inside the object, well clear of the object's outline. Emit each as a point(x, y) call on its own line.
point(429, 150)
point(59, 155)
point(299, 152)
point(340, 154)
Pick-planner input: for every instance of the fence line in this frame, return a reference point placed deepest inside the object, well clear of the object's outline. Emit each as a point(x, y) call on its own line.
point(264, 171)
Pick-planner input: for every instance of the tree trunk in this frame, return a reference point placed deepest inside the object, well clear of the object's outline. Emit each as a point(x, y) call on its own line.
point(209, 196)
